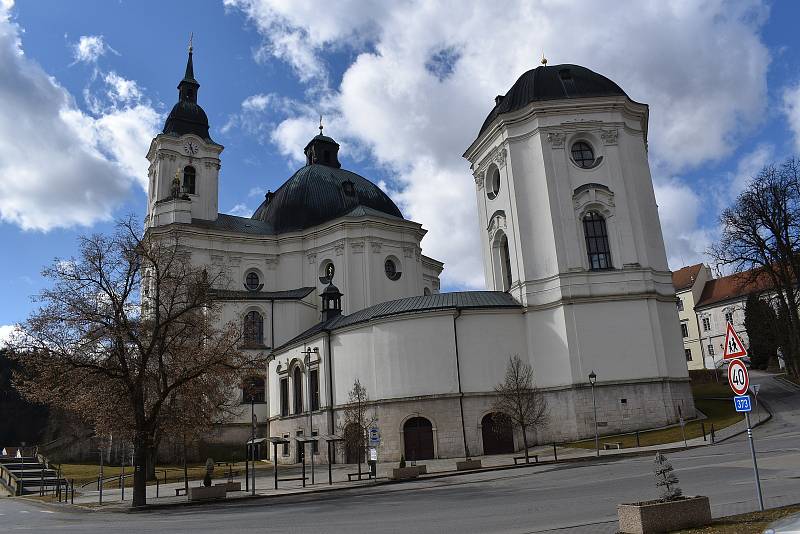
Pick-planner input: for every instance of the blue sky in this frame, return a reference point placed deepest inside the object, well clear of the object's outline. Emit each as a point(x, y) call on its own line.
point(404, 87)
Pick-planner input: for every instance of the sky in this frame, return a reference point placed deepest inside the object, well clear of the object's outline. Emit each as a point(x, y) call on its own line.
point(403, 87)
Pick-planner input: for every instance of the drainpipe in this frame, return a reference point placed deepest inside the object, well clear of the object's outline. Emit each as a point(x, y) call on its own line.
point(460, 392)
point(329, 371)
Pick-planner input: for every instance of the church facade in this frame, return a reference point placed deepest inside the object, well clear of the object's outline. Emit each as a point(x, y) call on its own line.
point(328, 278)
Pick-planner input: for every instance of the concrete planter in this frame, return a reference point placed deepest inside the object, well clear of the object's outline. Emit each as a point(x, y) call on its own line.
point(657, 516)
point(202, 493)
point(230, 486)
point(466, 465)
point(422, 468)
point(404, 473)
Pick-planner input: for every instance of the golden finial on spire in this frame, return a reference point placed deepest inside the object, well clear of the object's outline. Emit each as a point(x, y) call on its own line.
point(320, 125)
point(544, 60)
point(191, 37)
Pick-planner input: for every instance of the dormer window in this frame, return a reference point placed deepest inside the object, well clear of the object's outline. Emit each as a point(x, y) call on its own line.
point(188, 180)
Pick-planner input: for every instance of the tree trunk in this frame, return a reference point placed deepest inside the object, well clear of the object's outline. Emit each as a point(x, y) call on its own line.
point(152, 458)
point(525, 443)
point(139, 469)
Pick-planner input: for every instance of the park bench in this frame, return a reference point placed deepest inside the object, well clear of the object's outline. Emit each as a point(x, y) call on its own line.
point(612, 445)
point(535, 457)
point(180, 491)
point(350, 476)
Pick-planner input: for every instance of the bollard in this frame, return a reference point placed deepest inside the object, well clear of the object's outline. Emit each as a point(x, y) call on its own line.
point(703, 428)
point(72, 493)
point(555, 452)
point(638, 444)
point(156, 487)
point(713, 435)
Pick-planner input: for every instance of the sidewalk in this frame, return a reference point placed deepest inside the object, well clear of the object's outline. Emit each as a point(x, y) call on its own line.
point(436, 468)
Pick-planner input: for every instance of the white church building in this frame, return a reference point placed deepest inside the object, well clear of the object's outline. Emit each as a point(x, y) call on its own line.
point(328, 278)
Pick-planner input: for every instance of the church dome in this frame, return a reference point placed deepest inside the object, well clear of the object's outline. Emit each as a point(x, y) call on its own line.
point(320, 192)
point(554, 82)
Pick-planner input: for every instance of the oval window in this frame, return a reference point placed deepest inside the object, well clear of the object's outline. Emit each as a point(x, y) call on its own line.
point(251, 281)
point(583, 155)
point(390, 268)
point(493, 183)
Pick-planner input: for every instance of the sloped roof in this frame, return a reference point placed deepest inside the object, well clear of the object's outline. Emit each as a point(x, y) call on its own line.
point(735, 286)
point(464, 300)
point(684, 277)
point(289, 294)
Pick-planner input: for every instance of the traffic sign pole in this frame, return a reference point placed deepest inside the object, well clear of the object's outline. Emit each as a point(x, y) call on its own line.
point(755, 463)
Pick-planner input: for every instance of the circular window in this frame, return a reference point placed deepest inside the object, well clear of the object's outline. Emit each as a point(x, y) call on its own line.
point(493, 183)
point(330, 270)
point(390, 268)
point(583, 155)
point(251, 281)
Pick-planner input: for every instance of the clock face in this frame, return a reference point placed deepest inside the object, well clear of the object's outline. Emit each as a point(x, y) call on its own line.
point(190, 148)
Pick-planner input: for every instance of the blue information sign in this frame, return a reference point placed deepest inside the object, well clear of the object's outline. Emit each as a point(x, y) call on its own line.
point(742, 403)
point(374, 437)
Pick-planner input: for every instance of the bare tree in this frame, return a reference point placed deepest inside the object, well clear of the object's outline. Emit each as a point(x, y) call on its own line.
point(357, 418)
point(761, 240)
point(128, 338)
point(522, 404)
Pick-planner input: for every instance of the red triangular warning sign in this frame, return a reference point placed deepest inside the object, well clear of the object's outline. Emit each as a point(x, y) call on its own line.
point(734, 348)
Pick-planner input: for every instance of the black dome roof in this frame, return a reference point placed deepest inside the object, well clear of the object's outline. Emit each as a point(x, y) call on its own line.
point(554, 82)
point(187, 117)
point(319, 193)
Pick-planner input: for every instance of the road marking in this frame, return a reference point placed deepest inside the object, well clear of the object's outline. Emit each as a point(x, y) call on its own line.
point(24, 512)
point(47, 511)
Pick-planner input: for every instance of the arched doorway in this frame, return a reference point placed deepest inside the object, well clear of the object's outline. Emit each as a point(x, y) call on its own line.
point(353, 444)
point(418, 438)
point(498, 435)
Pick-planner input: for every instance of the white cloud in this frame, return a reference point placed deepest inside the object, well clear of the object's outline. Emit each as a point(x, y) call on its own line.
point(90, 48)
point(679, 208)
point(791, 107)
point(425, 74)
point(6, 331)
point(241, 210)
point(59, 166)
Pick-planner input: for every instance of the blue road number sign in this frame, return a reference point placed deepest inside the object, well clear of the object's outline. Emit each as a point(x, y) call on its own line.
point(374, 436)
point(742, 403)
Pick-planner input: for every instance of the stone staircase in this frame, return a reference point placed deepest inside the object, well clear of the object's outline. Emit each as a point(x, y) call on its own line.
point(31, 475)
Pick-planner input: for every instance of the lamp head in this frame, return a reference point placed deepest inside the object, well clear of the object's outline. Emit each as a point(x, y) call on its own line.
point(592, 377)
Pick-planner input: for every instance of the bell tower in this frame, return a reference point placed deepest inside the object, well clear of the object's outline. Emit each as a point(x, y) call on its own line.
point(183, 177)
point(569, 226)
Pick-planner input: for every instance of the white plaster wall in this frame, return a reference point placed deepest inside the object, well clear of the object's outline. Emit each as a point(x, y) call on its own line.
point(486, 341)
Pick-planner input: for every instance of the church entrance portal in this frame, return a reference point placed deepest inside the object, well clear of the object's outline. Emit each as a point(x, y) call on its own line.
point(418, 437)
point(498, 436)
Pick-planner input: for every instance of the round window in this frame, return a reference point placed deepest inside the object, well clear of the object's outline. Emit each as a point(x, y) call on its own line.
point(251, 281)
point(390, 268)
point(583, 155)
point(493, 183)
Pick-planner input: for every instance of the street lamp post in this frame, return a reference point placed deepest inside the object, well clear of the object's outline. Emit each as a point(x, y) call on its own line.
point(253, 432)
point(592, 380)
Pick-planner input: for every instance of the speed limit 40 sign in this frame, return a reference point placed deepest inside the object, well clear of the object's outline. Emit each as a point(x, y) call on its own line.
point(738, 377)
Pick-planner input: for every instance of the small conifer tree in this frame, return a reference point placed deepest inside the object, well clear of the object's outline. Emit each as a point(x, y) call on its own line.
point(666, 478)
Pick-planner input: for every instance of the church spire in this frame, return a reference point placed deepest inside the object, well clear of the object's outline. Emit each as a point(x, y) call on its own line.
point(187, 88)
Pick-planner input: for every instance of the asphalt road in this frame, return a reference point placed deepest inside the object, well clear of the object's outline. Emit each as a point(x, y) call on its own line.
point(578, 497)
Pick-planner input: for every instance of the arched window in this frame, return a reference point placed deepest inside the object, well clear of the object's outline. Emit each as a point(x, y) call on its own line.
point(253, 389)
point(505, 263)
point(253, 329)
point(597, 248)
point(297, 379)
point(188, 180)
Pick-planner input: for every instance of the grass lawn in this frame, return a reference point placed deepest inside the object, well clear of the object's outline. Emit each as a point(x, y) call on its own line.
point(720, 413)
point(753, 522)
point(83, 473)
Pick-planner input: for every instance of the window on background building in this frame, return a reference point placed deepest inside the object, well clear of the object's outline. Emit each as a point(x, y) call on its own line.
point(286, 445)
point(253, 329)
point(597, 247)
point(284, 397)
point(253, 388)
point(688, 353)
point(188, 180)
point(684, 330)
point(315, 444)
point(711, 350)
point(314, 385)
point(706, 324)
point(729, 317)
point(297, 379)
point(680, 304)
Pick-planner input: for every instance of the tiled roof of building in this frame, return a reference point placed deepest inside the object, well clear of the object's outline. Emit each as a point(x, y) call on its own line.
point(464, 300)
point(735, 286)
point(684, 277)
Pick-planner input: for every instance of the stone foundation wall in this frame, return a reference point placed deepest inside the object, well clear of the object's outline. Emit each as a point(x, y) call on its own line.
point(620, 408)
